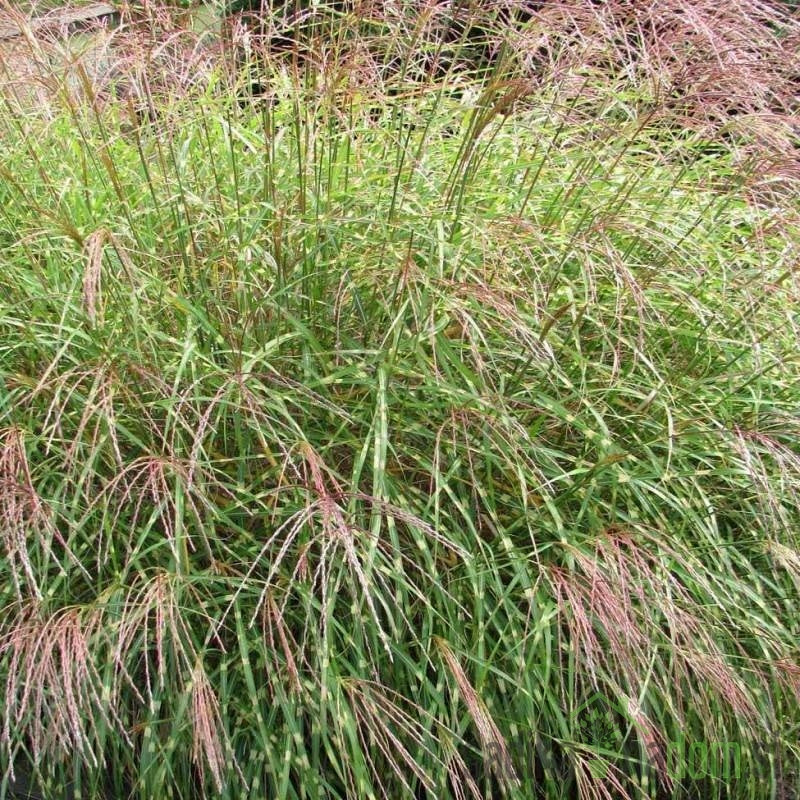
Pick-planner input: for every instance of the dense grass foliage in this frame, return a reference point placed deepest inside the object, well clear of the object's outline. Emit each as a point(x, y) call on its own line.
point(358, 449)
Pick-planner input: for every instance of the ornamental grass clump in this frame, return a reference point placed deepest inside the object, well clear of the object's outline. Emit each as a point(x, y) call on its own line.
point(434, 435)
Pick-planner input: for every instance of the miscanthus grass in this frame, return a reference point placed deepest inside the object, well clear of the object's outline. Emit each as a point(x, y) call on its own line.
point(360, 449)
